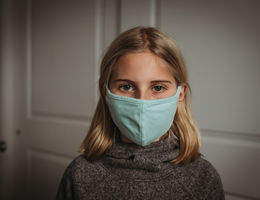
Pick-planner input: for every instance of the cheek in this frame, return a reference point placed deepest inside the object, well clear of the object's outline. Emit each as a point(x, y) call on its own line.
point(169, 92)
point(112, 88)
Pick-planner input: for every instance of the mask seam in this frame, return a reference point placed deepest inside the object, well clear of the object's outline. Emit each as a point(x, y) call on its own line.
point(137, 103)
point(141, 124)
point(154, 103)
point(157, 101)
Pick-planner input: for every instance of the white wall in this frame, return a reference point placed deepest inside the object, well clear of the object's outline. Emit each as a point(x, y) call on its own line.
point(221, 45)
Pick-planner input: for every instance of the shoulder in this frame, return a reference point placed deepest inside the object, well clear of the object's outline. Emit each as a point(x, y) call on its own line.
point(204, 171)
point(203, 178)
point(203, 168)
point(79, 163)
point(80, 177)
point(81, 169)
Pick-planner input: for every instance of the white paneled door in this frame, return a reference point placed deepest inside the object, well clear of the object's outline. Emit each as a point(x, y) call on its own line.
point(51, 53)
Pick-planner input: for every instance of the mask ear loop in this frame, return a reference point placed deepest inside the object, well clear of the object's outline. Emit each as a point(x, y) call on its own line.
point(179, 83)
point(179, 86)
point(107, 84)
point(115, 131)
point(107, 87)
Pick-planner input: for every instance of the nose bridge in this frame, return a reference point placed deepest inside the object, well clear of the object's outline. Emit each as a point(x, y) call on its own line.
point(142, 94)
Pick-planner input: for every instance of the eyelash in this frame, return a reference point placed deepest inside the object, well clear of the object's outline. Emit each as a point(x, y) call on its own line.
point(162, 88)
point(121, 87)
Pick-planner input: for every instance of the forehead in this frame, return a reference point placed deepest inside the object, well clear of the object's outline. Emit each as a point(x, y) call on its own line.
point(140, 65)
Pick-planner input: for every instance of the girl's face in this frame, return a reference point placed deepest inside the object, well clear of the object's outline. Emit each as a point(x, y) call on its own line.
point(143, 76)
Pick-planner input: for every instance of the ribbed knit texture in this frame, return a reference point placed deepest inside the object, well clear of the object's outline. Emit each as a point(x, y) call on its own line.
point(129, 171)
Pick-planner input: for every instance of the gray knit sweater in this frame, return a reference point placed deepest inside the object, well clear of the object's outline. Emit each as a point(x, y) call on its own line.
point(129, 171)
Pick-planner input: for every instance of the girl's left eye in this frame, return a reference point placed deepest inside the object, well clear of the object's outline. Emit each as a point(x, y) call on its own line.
point(158, 88)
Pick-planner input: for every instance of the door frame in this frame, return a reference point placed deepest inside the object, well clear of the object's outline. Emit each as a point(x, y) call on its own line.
point(12, 63)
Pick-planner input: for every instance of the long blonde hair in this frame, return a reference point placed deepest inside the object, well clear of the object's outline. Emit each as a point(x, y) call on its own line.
point(102, 131)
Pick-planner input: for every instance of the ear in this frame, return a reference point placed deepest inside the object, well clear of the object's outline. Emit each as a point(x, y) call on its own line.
point(183, 91)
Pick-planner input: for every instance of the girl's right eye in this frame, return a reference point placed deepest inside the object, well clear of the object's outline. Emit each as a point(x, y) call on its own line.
point(125, 87)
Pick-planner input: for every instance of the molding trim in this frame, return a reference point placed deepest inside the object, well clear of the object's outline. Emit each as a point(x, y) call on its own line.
point(158, 13)
point(226, 134)
point(29, 173)
point(153, 13)
point(118, 14)
point(28, 60)
point(51, 156)
point(59, 118)
point(99, 41)
point(240, 196)
point(30, 114)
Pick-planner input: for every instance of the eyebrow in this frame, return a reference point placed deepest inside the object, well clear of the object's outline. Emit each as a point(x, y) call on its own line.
point(161, 81)
point(155, 81)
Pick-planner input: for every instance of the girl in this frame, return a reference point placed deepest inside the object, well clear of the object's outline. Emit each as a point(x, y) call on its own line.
point(142, 142)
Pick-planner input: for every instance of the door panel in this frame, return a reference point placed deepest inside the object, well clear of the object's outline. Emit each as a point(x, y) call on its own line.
point(61, 91)
point(46, 169)
point(62, 58)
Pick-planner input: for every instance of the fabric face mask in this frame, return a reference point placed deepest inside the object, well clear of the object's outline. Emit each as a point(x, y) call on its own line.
point(142, 121)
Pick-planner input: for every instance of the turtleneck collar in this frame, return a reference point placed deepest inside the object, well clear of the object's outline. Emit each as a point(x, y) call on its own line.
point(150, 157)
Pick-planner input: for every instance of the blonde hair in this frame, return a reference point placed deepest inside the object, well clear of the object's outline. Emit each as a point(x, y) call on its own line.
point(102, 132)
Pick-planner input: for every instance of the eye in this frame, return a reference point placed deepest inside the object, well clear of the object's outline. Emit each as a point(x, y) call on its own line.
point(125, 87)
point(158, 88)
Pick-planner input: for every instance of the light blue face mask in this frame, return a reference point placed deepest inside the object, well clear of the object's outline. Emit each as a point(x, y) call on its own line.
point(142, 121)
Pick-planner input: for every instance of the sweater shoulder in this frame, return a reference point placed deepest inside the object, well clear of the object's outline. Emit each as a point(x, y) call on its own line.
point(204, 179)
point(203, 167)
point(82, 170)
point(79, 163)
point(203, 170)
point(81, 176)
